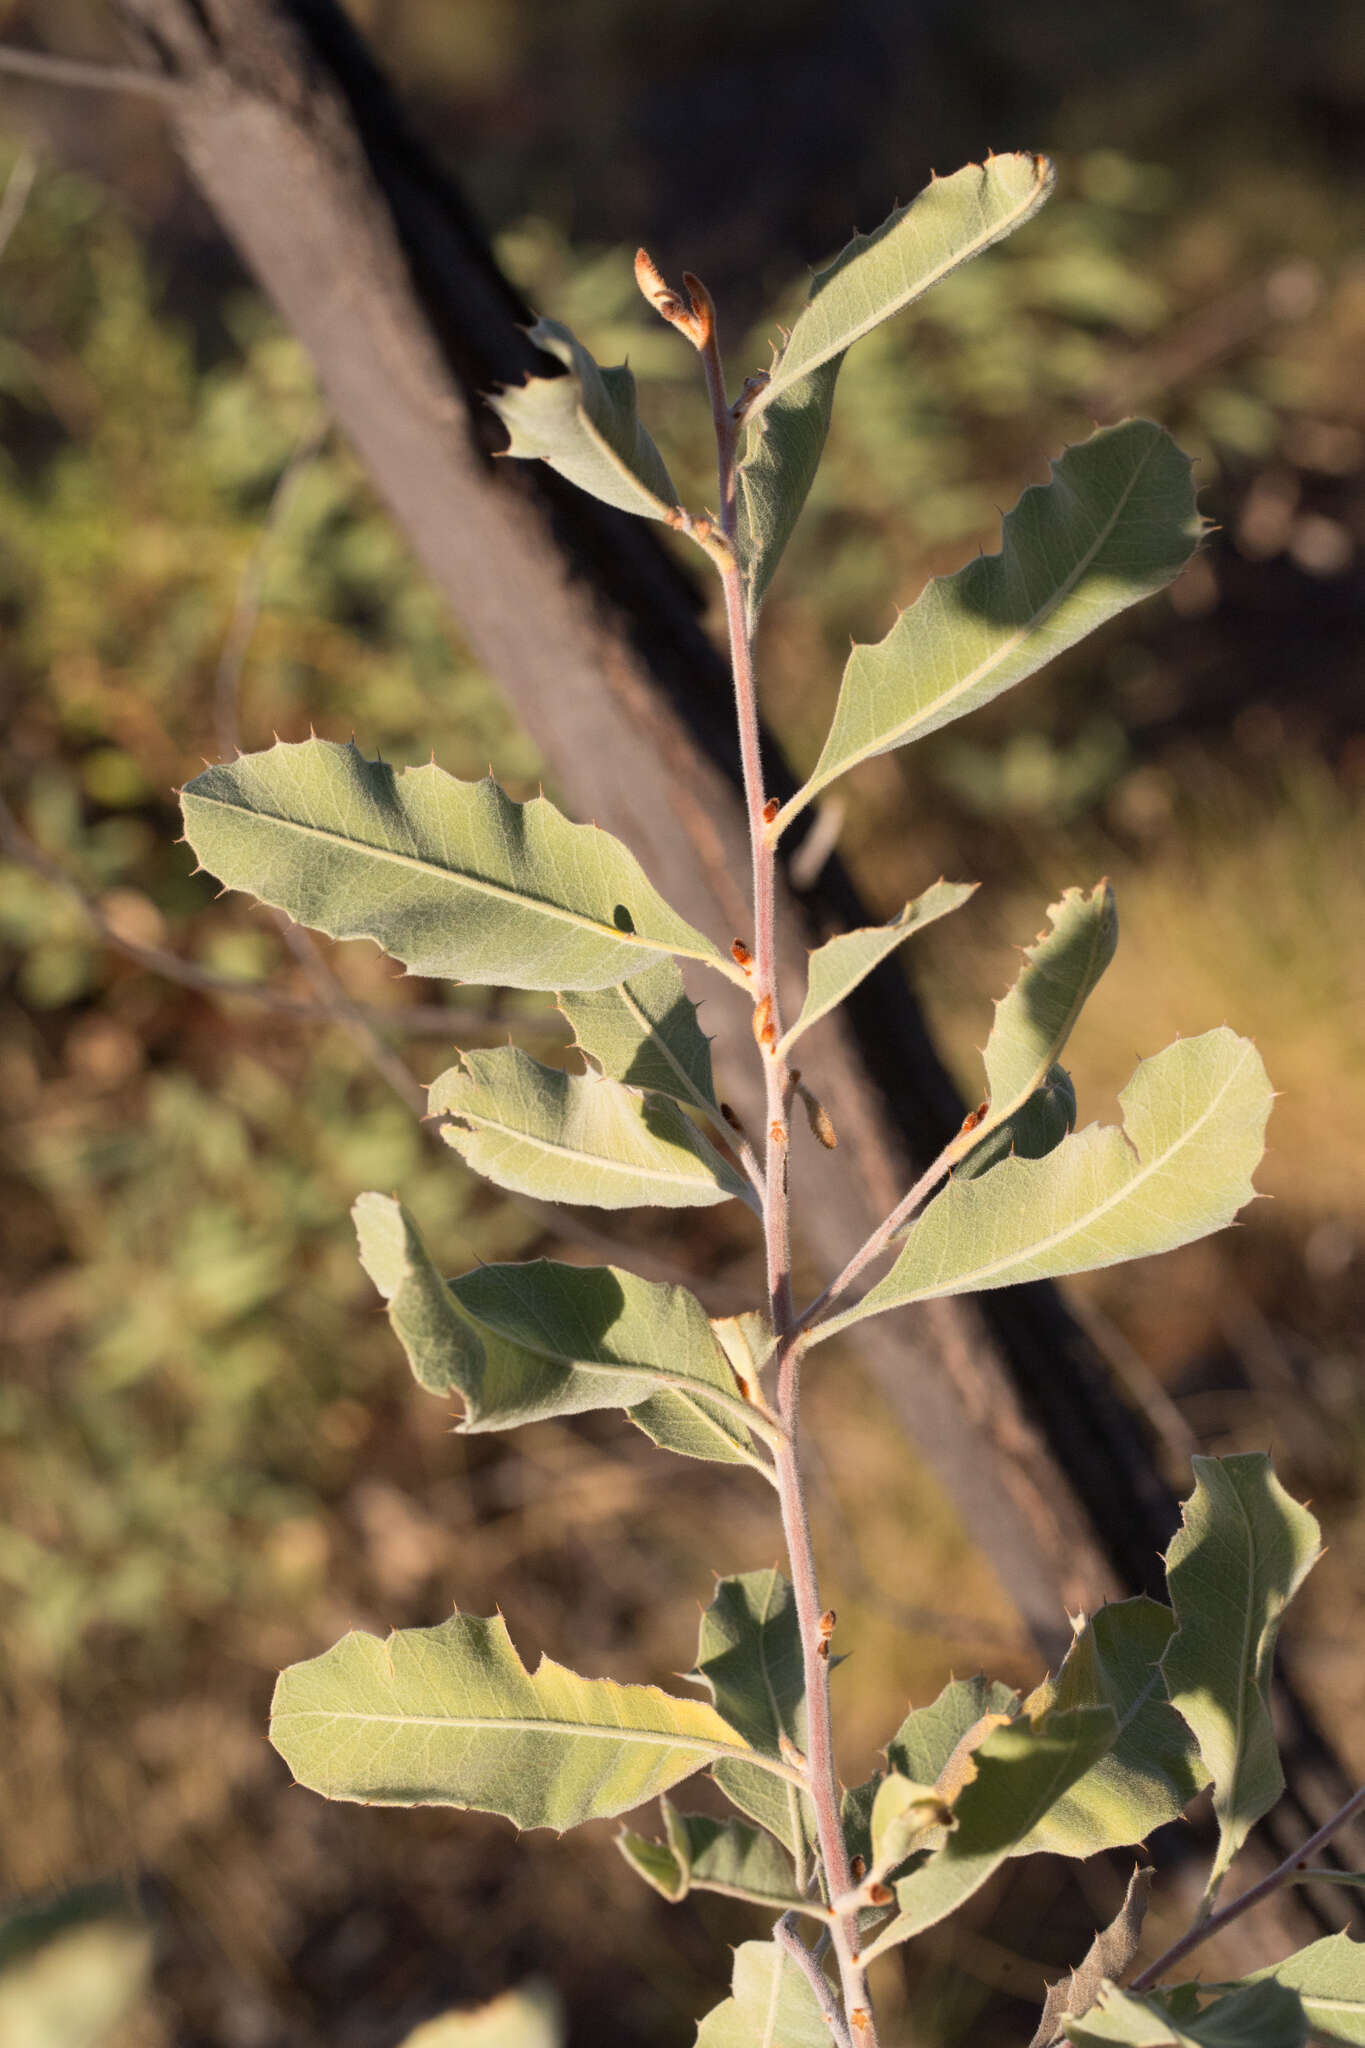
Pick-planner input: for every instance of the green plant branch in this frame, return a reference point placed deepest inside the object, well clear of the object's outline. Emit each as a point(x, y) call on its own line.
point(787, 1935)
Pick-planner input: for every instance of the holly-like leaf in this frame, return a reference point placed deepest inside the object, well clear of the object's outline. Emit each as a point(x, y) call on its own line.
point(1109, 1955)
point(875, 277)
point(703, 1853)
point(841, 963)
point(1180, 1167)
point(1261, 2016)
point(521, 1342)
point(1242, 1551)
point(1034, 1021)
point(1117, 522)
point(450, 877)
point(577, 1137)
point(1016, 1775)
point(771, 2005)
point(585, 425)
point(749, 1659)
point(1329, 1977)
point(929, 1737)
point(645, 1032)
point(529, 2017)
point(1153, 1770)
point(450, 1716)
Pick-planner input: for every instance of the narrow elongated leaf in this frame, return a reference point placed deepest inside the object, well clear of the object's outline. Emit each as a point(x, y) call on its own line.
point(749, 1659)
point(1153, 1770)
point(1180, 1166)
point(1017, 1774)
point(1329, 1977)
point(452, 878)
point(1261, 2016)
point(450, 1716)
point(645, 1031)
point(586, 426)
point(841, 963)
point(875, 277)
point(527, 2018)
point(1116, 523)
point(521, 1342)
point(1241, 1553)
point(770, 2006)
point(576, 1137)
point(1032, 1132)
point(1109, 1955)
point(702, 1853)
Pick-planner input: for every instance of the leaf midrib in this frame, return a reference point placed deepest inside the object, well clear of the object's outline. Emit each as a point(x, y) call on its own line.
point(593, 1159)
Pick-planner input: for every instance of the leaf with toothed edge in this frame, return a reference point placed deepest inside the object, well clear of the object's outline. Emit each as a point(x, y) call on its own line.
point(771, 2005)
point(645, 1032)
point(837, 967)
point(1266, 2015)
point(1109, 1955)
point(585, 425)
point(702, 1853)
point(450, 877)
point(749, 1658)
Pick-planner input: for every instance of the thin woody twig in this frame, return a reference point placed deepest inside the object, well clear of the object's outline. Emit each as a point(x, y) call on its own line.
point(787, 1937)
point(50, 69)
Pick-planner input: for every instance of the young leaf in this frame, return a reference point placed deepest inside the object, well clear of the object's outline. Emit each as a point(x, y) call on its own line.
point(841, 963)
point(1261, 2016)
point(1117, 522)
point(526, 2018)
point(1153, 1770)
point(1242, 1551)
point(873, 278)
point(705, 1854)
point(770, 2006)
point(1180, 1166)
point(576, 1138)
point(1109, 1955)
point(749, 1659)
point(452, 878)
point(586, 426)
point(450, 1716)
point(1032, 1132)
point(903, 1815)
point(645, 1032)
point(520, 1342)
point(1329, 1977)
point(1016, 1775)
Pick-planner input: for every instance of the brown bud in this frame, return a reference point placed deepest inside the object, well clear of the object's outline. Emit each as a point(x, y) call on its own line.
point(827, 1621)
point(974, 1116)
point(732, 1118)
point(745, 1389)
point(817, 1116)
point(860, 2019)
point(879, 1895)
point(703, 324)
point(740, 954)
point(765, 1031)
point(661, 296)
point(822, 1648)
point(770, 810)
point(777, 1133)
point(859, 1868)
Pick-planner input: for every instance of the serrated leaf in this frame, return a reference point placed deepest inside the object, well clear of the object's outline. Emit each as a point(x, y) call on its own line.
point(450, 877)
point(1117, 522)
point(450, 1716)
point(704, 1853)
point(1018, 1772)
point(1109, 1955)
point(585, 425)
point(1242, 1551)
point(1180, 1167)
point(645, 1032)
point(1032, 1132)
point(1034, 1021)
point(928, 1737)
point(841, 963)
point(770, 2006)
point(749, 1659)
point(1153, 1770)
point(577, 1137)
point(1329, 1977)
point(521, 1342)
point(529, 2017)
point(875, 277)
point(1262, 2016)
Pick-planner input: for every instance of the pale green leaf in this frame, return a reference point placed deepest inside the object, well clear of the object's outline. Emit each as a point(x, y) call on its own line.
point(577, 1137)
point(1180, 1166)
point(1034, 1021)
point(703, 1853)
point(1242, 1551)
point(1153, 1770)
point(585, 425)
point(1116, 523)
point(521, 1342)
point(1260, 2016)
point(1109, 1956)
point(928, 1737)
point(1018, 1773)
point(903, 1814)
point(450, 877)
point(875, 277)
point(72, 1968)
point(749, 1659)
point(450, 1716)
point(771, 2005)
point(645, 1031)
point(529, 2017)
point(1032, 1132)
point(1329, 1977)
point(841, 963)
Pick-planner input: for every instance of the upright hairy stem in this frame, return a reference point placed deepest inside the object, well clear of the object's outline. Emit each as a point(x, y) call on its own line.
point(822, 1778)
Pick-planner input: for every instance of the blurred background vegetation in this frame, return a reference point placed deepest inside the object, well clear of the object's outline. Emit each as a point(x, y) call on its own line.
point(211, 1460)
